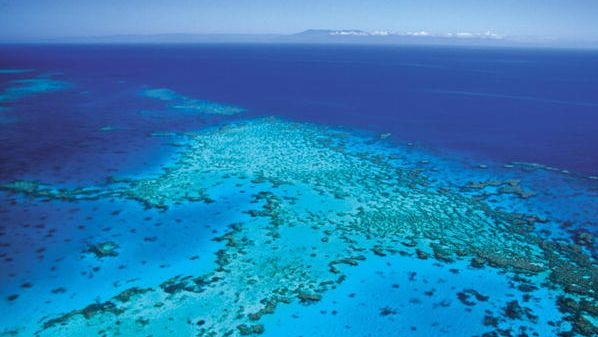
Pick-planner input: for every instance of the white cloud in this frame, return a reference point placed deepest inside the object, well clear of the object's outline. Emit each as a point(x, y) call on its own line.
point(349, 33)
point(468, 35)
point(458, 35)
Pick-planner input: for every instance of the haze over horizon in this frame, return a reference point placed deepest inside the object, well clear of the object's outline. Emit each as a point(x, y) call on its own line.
point(528, 20)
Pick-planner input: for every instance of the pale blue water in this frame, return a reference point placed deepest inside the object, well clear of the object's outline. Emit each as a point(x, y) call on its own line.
point(414, 179)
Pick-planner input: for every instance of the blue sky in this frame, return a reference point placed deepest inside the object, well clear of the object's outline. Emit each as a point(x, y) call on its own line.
point(560, 19)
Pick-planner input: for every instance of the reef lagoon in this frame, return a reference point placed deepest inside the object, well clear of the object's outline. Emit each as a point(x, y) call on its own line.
point(297, 190)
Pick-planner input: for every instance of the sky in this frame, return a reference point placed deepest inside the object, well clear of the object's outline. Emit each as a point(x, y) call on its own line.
point(535, 19)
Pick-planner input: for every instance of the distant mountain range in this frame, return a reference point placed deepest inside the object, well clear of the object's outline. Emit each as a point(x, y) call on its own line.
point(326, 36)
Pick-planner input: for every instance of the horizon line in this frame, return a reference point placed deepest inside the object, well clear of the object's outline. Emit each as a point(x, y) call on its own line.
point(330, 36)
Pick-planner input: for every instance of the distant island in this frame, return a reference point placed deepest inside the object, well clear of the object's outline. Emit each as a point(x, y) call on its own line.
point(324, 36)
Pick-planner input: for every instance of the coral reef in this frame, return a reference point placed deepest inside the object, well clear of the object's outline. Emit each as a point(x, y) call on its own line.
point(321, 191)
point(182, 103)
point(103, 249)
point(31, 86)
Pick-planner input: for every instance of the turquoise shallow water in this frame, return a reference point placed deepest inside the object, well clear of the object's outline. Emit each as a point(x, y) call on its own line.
point(191, 216)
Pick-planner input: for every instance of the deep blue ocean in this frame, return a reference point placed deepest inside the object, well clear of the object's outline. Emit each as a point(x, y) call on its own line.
point(505, 104)
point(74, 116)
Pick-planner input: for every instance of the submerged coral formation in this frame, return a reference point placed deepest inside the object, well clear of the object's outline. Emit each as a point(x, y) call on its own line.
point(31, 86)
point(19, 89)
point(14, 71)
point(103, 249)
point(326, 201)
point(182, 103)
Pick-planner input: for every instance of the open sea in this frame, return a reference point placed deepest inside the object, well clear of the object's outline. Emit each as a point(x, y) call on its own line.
point(298, 190)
